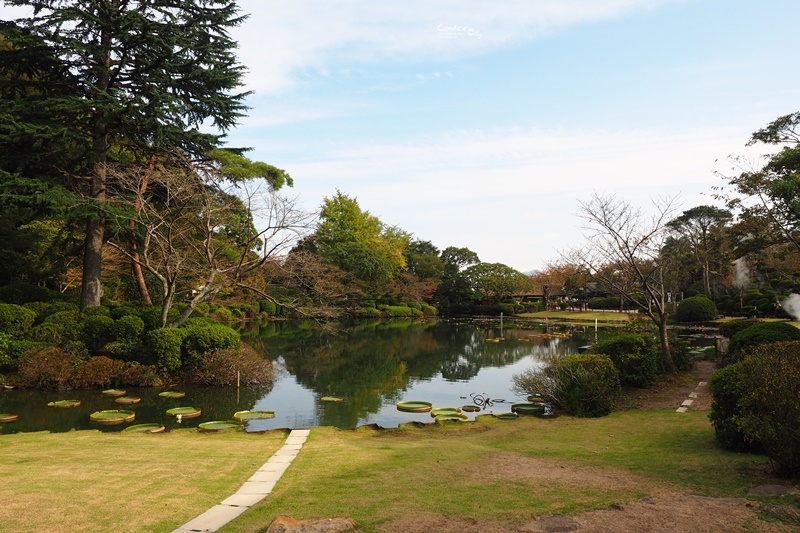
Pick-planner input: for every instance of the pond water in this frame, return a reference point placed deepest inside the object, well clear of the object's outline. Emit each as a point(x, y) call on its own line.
point(371, 366)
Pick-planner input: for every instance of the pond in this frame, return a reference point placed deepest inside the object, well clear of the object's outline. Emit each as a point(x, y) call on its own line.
point(370, 366)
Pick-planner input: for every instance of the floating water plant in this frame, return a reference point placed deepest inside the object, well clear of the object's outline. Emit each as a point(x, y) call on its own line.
point(241, 416)
point(528, 408)
point(452, 418)
point(114, 392)
point(507, 416)
point(445, 411)
point(185, 412)
point(414, 407)
point(128, 400)
point(172, 394)
point(112, 416)
point(470, 408)
point(331, 399)
point(145, 428)
point(64, 403)
point(8, 417)
point(218, 425)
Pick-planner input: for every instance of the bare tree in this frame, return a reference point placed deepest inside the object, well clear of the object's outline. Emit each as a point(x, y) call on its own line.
point(631, 242)
point(199, 235)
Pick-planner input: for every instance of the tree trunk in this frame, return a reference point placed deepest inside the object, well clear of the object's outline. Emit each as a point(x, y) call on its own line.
point(91, 288)
point(667, 364)
point(136, 267)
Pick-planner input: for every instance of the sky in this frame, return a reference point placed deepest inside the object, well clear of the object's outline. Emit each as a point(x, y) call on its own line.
point(485, 124)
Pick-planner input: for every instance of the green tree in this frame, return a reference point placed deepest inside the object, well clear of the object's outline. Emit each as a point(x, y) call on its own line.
point(454, 293)
point(136, 78)
point(496, 282)
point(359, 242)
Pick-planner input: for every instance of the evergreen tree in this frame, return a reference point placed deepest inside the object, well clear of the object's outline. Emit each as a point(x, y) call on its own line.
point(114, 80)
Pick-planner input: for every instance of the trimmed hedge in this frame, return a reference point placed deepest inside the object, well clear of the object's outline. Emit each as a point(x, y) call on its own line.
point(635, 355)
point(204, 339)
point(762, 333)
point(696, 309)
point(165, 347)
point(728, 386)
point(15, 319)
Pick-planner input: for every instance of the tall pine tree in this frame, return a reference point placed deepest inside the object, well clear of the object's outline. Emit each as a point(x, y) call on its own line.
point(135, 79)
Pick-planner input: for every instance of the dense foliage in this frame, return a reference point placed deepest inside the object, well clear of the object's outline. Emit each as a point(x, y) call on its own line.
point(696, 309)
point(746, 340)
point(635, 355)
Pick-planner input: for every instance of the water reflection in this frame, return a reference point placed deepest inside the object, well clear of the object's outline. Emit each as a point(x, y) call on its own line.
point(372, 365)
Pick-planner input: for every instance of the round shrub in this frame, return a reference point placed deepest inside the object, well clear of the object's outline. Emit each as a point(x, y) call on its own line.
point(728, 386)
point(635, 356)
point(164, 345)
point(732, 327)
point(203, 339)
point(57, 307)
point(49, 367)
point(603, 302)
point(696, 309)
point(152, 317)
point(770, 412)
point(762, 333)
point(228, 367)
point(65, 324)
point(15, 319)
point(128, 329)
point(366, 312)
point(96, 331)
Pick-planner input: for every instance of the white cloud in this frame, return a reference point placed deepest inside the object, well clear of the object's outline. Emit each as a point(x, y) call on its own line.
point(282, 41)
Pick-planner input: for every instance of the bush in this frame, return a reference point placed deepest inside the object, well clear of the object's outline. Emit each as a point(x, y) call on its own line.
point(226, 367)
point(204, 339)
point(604, 302)
point(696, 309)
point(586, 385)
point(21, 293)
point(681, 353)
point(16, 320)
point(771, 409)
point(223, 314)
point(429, 310)
point(396, 311)
point(748, 339)
point(137, 375)
point(635, 355)
point(96, 331)
point(165, 347)
point(732, 327)
point(99, 371)
point(128, 329)
point(367, 312)
point(728, 386)
point(49, 367)
point(66, 326)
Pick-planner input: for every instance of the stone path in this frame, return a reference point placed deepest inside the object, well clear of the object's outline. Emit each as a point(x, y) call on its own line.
point(254, 489)
point(701, 387)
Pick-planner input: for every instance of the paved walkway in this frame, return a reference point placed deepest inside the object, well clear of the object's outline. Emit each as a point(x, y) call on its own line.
point(254, 489)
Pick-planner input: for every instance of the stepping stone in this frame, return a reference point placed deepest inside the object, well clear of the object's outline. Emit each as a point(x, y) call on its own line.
point(702, 384)
point(213, 519)
point(681, 409)
point(687, 403)
point(693, 395)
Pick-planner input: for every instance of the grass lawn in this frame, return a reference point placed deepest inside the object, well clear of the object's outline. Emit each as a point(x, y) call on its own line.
point(508, 471)
point(93, 481)
point(584, 316)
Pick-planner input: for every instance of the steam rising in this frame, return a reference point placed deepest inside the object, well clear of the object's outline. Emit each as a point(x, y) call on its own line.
point(741, 276)
point(792, 305)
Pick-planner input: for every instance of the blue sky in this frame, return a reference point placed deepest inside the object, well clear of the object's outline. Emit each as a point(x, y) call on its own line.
point(484, 124)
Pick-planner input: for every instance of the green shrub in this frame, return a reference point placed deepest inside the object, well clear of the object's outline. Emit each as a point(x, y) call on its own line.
point(586, 385)
point(128, 329)
point(635, 355)
point(696, 309)
point(732, 327)
point(604, 302)
point(228, 367)
point(58, 307)
point(96, 331)
point(223, 314)
point(396, 311)
point(429, 310)
point(99, 310)
point(728, 386)
point(681, 353)
point(267, 306)
point(249, 310)
point(748, 339)
point(64, 324)
point(770, 412)
point(203, 339)
point(49, 367)
point(16, 320)
point(152, 317)
point(164, 345)
point(367, 312)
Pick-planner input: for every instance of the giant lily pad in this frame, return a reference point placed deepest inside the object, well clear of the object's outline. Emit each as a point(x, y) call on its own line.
point(451, 418)
point(8, 417)
point(64, 403)
point(114, 392)
point(185, 412)
point(128, 400)
point(253, 415)
point(445, 411)
point(172, 394)
point(507, 416)
point(112, 416)
point(218, 425)
point(470, 408)
point(528, 408)
point(414, 407)
point(145, 428)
